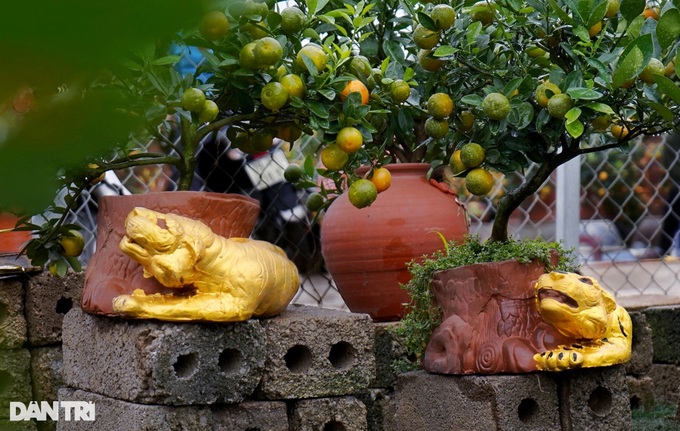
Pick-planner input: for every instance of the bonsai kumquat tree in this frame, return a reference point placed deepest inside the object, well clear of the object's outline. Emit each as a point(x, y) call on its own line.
point(372, 83)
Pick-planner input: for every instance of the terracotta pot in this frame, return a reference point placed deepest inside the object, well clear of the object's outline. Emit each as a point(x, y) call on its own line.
point(490, 323)
point(366, 250)
point(11, 242)
point(111, 273)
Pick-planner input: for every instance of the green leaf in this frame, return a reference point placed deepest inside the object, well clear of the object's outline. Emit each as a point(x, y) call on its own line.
point(600, 107)
point(561, 14)
point(75, 263)
point(633, 60)
point(426, 21)
point(168, 59)
point(521, 115)
point(603, 71)
point(394, 50)
point(593, 11)
point(582, 93)
point(309, 167)
point(668, 28)
point(575, 128)
point(582, 33)
point(471, 99)
point(327, 93)
point(662, 110)
point(572, 115)
point(631, 9)
point(445, 51)
point(310, 33)
point(512, 86)
point(316, 5)
point(667, 87)
point(62, 267)
point(319, 109)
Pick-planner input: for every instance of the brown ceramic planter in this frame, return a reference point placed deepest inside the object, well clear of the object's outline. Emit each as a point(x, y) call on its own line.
point(366, 250)
point(110, 273)
point(490, 321)
point(11, 242)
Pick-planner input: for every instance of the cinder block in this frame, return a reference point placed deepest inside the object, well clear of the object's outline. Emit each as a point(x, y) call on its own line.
point(12, 320)
point(47, 378)
point(15, 378)
point(666, 378)
point(665, 325)
point(116, 415)
point(640, 392)
point(48, 299)
point(597, 398)
point(150, 362)
point(379, 409)
point(317, 352)
point(643, 348)
point(46, 372)
point(6, 425)
point(341, 413)
point(388, 349)
point(426, 401)
point(251, 415)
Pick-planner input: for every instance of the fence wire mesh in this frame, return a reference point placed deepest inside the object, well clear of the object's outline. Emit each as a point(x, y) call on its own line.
point(629, 211)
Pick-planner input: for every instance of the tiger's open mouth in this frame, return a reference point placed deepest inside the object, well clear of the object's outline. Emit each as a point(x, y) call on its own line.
point(556, 295)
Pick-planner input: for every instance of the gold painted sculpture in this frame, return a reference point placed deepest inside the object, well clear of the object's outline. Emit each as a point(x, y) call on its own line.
point(579, 308)
point(228, 279)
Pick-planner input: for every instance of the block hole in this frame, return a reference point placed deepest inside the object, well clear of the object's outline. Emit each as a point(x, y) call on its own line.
point(6, 382)
point(253, 429)
point(527, 410)
point(600, 401)
point(230, 360)
point(64, 305)
point(342, 355)
point(635, 402)
point(4, 312)
point(186, 365)
point(298, 358)
point(334, 426)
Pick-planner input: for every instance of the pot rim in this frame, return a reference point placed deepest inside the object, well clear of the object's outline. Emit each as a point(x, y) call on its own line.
point(211, 195)
point(398, 167)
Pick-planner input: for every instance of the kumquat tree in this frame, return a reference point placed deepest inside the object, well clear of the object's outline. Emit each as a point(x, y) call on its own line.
point(470, 87)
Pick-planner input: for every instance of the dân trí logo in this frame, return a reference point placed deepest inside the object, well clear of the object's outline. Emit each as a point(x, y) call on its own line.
point(71, 411)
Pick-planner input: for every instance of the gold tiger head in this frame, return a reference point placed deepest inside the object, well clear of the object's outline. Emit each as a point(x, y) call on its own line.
point(576, 305)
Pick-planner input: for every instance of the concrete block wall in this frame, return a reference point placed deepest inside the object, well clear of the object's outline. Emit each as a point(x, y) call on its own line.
point(306, 369)
point(32, 309)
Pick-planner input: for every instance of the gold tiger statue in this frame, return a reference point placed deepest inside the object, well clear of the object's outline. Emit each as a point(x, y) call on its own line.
point(218, 279)
point(579, 308)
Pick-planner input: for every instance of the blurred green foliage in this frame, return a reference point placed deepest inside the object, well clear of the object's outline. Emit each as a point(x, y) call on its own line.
point(58, 50)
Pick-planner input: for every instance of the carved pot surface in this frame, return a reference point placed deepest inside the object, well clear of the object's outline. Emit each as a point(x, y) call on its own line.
point(110, 273)
point(490, 323)
point(366, 250)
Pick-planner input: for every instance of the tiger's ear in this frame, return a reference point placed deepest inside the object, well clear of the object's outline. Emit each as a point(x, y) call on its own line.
point(609, 301)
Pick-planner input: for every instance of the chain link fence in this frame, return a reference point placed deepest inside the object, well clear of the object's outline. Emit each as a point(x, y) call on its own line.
point(629, 212)
point(628, 225)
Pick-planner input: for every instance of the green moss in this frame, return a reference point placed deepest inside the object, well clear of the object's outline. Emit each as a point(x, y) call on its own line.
point(423, 316)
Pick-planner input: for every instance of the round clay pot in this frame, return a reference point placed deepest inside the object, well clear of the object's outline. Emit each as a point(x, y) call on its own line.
point(111, 273)
point(366, 250)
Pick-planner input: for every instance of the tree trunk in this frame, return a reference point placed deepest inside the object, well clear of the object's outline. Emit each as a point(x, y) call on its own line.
point(513, 199)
